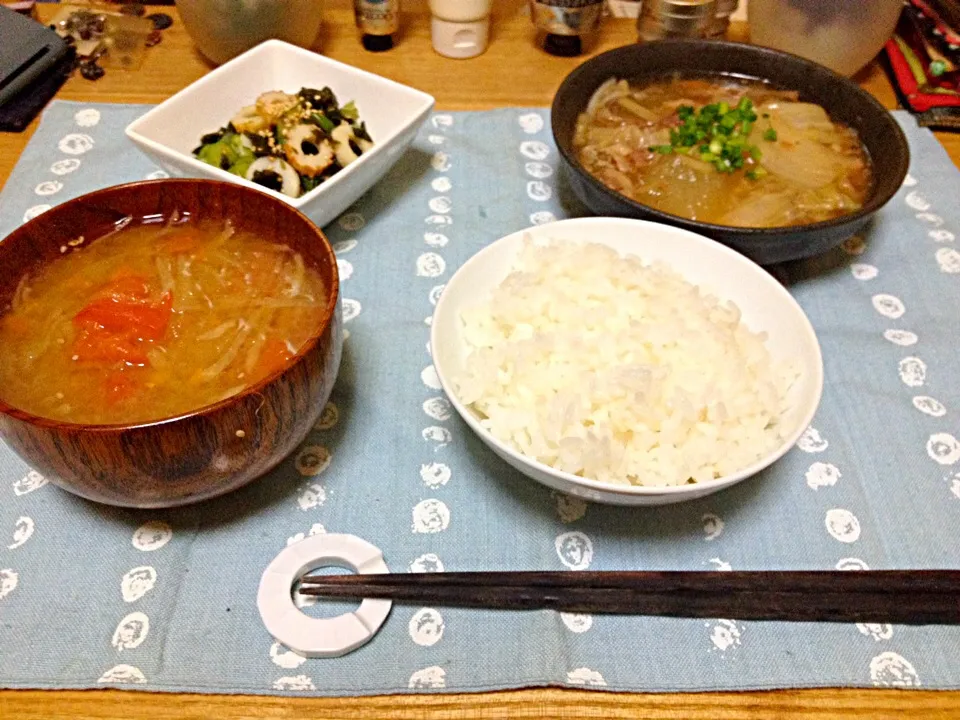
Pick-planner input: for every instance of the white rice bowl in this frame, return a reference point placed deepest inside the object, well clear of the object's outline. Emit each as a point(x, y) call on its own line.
point(626, 361)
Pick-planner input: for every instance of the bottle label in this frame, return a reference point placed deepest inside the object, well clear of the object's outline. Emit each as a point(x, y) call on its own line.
point(377, 17)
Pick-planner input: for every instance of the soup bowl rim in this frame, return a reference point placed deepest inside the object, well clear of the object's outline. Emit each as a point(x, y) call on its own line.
point(873, 203)
point(327, 316)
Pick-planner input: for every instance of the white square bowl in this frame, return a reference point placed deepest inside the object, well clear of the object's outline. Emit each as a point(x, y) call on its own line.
point(393, 114)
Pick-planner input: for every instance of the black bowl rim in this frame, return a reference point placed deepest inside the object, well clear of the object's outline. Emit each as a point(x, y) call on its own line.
point(746, 234)
point(329, 315)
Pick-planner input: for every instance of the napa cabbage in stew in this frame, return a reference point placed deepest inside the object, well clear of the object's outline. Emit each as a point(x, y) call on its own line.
point(723, 151)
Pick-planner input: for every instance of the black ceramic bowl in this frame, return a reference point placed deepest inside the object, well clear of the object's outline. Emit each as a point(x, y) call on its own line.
point(841, 98)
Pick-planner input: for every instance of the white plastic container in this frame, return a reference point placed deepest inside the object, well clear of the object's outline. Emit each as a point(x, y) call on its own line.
point(844, 35)
point(460, 28)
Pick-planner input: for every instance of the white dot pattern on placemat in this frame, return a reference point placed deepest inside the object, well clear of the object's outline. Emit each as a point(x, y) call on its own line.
point(586, 676)
point(842, 525)
point(285, 658)
point(889, 306)
point(429, 678)
point(433, 515)
point(821, 475)
point(811, 441)
point(65, 166)
point(88, 117)
point(34, 211)
point(712, 526)
point(912, 371)
point(137, 582)
point(725, 635)
point(569, 508)
point(152, 536)
point(9, 579)
point(430, 516)
point(904, 338)
point(122, 675)
point(435, 474)
point(311, 495)
point(131, 632)
point(575, 550)
point(23, 530)
point(426, 563)
point(943, 448)
point(948, 260)
point(426, 627)
point(329, 417)
point(890, 669)
point(48, 187)
point(929, 406)
point(312, 460)
point(75, 144)
point(577, 622)
point(302, 683)
point(876, 631)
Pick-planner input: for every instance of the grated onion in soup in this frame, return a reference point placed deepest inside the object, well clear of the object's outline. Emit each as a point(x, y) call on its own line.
point(601, 366)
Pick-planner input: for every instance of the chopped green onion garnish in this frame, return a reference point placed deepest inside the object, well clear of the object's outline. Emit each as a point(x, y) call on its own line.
point(716, 133)
point(770, 134)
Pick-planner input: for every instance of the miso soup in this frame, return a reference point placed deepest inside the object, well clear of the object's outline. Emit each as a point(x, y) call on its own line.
point(152, 321)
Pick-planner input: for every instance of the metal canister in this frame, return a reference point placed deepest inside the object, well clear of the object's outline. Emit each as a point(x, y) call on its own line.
point(675, 18)
point(721, 18)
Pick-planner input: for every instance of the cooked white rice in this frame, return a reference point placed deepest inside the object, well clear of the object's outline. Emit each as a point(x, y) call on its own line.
point(603, 367)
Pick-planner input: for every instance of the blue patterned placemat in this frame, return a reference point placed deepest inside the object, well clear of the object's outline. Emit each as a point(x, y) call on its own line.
point(93, 596)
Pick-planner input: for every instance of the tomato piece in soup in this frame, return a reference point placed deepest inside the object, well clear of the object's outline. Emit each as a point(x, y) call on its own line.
point(147, 320)
point(116, 325)
point(274, 356)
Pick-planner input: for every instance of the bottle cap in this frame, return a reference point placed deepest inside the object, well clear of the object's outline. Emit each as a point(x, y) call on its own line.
point(459, 39)
point(377, 43)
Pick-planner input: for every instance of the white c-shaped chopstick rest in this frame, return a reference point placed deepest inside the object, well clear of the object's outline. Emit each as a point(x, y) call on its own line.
point(320, 637)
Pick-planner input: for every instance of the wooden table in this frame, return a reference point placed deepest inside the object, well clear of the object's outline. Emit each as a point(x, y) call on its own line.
point(511, 73)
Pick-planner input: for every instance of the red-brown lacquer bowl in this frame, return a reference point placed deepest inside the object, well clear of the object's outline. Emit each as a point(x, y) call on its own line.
point(211, 450)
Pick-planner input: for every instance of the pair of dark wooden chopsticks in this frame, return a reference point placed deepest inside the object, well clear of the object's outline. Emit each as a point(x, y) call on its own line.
point(916, 597)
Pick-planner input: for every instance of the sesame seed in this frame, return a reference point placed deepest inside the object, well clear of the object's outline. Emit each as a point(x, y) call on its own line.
point(241, 434)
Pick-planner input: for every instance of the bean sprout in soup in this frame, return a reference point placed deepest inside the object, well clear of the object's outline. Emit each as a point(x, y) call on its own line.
point(723, 151)
point(152, 321)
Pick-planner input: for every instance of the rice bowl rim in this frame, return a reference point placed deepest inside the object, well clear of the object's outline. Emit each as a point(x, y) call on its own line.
point(594, 225)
